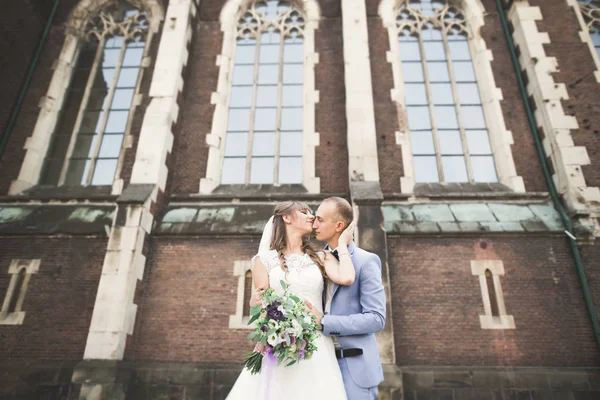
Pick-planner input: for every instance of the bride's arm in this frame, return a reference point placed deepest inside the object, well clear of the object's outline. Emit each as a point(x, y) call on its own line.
point(260, 278)
point(341, 272)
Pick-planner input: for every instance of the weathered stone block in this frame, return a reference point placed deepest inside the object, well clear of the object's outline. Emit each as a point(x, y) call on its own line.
point(472, 212)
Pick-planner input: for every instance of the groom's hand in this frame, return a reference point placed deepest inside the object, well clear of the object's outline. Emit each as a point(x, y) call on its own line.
point(316, 313)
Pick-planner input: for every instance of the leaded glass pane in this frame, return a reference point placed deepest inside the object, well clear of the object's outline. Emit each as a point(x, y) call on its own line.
point(441, 93)
point(454, 169)
point(266, 96)
point(412, 72)
point(290, 170)
point(236, 144)
point(418, 118)
point(104, 173)
point(233, 171)
point(291, 144)
point(450, 142)
point(484, 169)
point(262, 170)
point(415, 94)
point(422, 143)
point(264, 144)
point(241, 96)
point(291, 119)
point(243, 74)
point(425, 169)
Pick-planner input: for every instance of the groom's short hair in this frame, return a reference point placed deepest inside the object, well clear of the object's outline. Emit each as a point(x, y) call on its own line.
point(343, 209)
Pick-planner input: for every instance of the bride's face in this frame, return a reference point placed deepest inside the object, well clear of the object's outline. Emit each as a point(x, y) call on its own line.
point(302, 221)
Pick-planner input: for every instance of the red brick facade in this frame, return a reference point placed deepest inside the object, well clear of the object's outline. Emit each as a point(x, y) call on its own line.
point(60, 297)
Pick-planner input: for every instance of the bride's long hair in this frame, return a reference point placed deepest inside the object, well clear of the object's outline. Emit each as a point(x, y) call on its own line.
point(278, 239)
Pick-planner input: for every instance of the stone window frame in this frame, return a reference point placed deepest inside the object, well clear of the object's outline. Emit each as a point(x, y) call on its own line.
point(488, 320)
point(17, 316)
point(500, 137)
point(584, 34)
point(37, 145)
point(239, 320)
point(215, 140)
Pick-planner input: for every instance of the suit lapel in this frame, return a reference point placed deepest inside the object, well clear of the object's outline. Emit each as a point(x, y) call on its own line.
point(351, 247)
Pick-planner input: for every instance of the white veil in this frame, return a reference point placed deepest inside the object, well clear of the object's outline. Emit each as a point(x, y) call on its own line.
point(265, 240)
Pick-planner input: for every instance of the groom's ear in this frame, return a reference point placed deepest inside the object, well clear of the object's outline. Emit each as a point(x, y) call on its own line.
point(340, 226)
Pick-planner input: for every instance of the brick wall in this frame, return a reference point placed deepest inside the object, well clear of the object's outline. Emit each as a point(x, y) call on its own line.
point(21, 29)
point(437, 303)
point(388, 114)
point(189, 293)
point(330, 117)
point(60, 297)
point(196, 112)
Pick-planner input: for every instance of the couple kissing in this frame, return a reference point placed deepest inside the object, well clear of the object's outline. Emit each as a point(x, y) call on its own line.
point(342, 288)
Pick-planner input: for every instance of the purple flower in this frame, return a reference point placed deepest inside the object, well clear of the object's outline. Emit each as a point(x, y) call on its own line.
point(269, 351)
point(301, 354)
point(264, 328)
point(274, 313)
point(302, 346)
point(292, 339)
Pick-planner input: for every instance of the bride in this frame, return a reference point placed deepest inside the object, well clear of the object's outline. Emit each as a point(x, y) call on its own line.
point(285, 253)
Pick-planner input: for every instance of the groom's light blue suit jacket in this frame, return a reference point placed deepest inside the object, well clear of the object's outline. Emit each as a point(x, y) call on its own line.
point(357, 313)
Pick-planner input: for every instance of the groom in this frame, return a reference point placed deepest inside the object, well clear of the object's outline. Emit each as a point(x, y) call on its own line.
point(353, 314)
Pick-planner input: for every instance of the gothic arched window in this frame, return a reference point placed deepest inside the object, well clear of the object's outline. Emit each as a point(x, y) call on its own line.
point(87, 144)
point(263, 127)
point(448, 130)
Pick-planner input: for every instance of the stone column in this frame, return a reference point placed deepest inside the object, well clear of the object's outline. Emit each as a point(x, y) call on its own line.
point(114, 311)
point(360, 114)
point(556, 126)
point(363, 168)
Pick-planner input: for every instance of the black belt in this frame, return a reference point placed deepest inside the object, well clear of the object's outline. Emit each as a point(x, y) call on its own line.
point(345, 353)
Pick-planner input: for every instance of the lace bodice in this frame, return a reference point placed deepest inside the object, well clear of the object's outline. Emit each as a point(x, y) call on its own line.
point(303, 278)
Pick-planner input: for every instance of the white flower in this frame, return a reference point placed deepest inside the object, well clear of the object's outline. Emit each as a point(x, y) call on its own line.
point(307, 319)
point(282, 309)
point(273, 324)
point(272, 339)
point(296, 328)
point(281, 338)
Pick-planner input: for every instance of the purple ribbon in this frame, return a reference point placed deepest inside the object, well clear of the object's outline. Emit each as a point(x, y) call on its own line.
point(268, 367)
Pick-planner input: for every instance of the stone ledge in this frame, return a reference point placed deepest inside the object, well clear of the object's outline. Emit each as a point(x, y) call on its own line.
point(470, 217)
point(48, 219)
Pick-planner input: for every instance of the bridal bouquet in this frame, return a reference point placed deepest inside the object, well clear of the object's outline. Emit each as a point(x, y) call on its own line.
point(285, 332)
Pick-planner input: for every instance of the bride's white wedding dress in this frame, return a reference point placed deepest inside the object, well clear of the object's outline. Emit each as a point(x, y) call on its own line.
point(317, 378)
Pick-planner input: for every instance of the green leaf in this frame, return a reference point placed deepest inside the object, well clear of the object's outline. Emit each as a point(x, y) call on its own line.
point(287, 340)
point(252, 335)
point(255, 310)
point(283, 284)
point(291, 363)
point(296, 299)
point(279, 361)
point(254, 318)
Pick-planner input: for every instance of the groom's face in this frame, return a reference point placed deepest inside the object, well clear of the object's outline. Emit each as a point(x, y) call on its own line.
point(326, 226)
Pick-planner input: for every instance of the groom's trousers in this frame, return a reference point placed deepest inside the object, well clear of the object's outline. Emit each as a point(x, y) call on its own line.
point(354, 392)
